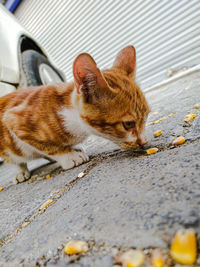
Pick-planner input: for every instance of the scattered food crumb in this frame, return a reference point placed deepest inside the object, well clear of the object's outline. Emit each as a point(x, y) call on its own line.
point(157, 259)
point(152, 150)
point(155, 112)
point(131, 258)
point(151, 123)
point(1, 188)
point(184, 247)
point(196, 106)
point(46, 204)
point(157, 133)
point(81, 174)
point(178, 141)
point(161, 119)
point(75, 247)
point(48, 176)
point(190, 117)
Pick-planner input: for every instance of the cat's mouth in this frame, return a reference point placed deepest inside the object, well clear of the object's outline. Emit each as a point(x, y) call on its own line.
point(129, 145)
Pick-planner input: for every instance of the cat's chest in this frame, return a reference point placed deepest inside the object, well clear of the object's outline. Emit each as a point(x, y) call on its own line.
point(74, 125)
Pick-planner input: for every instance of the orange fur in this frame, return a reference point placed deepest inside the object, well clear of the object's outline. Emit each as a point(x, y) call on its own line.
point(33, 121)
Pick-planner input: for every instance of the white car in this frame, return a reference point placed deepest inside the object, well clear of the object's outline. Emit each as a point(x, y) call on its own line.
point(23, 62)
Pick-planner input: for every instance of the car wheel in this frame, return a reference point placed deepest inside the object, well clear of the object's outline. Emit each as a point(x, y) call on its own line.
point(37, 70)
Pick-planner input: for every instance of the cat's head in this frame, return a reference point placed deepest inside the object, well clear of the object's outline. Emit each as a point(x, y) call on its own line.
point(110, 101)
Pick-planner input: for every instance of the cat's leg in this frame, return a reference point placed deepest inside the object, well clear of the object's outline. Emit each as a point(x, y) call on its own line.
point(23, 174)
point(71, 159)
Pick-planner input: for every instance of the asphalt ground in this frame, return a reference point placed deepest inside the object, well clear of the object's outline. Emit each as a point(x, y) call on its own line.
point(127, 199)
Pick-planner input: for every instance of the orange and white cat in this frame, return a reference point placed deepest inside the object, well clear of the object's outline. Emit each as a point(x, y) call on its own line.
point(50, 121)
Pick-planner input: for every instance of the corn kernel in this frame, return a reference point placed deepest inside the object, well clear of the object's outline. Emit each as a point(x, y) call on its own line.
point(163, 118)
point(151, 123)
point(190, 117)
point(81, 174)
point(196, 106)
point(152, 150)
point(131, 258)
point(171, 115)
point(48, 176)
point(178, 141)
point(1, 188)
point(157, 258)
point(46, 204)
point(155, 112)
point(184, 247)
point(76, 246)
point(158, 121)
point(157, 133)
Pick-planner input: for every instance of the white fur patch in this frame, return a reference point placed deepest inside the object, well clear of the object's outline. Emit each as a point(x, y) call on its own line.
point(23, 174)
point(72, 159)
point(75, 125)
point(143, 136)
point(131, 138)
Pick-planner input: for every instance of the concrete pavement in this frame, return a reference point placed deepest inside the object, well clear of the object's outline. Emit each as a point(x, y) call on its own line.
point(127, 198)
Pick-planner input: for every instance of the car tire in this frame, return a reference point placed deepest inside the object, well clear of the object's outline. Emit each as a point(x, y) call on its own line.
point(37, 70)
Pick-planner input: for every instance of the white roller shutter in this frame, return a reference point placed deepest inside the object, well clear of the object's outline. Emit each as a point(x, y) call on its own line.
point(166, 33)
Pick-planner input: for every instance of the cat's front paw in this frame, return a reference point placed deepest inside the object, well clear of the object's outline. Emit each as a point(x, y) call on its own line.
point(22, 176)
point(72, 159)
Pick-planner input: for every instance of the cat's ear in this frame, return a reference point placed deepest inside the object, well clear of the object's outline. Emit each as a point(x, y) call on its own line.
point(126, 60)
point(86, 74)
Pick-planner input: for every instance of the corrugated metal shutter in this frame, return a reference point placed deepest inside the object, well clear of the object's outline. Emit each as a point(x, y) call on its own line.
point(166, 33)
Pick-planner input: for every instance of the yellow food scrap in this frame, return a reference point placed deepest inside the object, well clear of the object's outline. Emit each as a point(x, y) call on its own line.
point(151, 123)
point(157, 258)
point(155, 112)
point(131, 258)
point(81, 174)
point(1, 188)
point(48, 176)
point(190, 117)
point(184, 247)
point(196, 106)
point(157, 133)
point(76, 246)
point(178, 141)
point(160, 120)
point(163, 118)
point(46, 204)
point(152, 150)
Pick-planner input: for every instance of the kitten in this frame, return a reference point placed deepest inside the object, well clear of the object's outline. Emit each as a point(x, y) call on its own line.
point(50, 121)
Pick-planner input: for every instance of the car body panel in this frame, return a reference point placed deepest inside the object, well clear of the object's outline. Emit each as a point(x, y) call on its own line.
point(6, 88)
point(10, 34)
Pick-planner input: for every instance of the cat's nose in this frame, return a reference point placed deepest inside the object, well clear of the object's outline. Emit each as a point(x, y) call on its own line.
point(142, 141)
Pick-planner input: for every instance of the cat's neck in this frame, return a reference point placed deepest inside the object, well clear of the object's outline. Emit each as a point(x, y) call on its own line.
point(73, 122)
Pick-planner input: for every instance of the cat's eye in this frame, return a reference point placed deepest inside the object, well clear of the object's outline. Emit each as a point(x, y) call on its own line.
point(128, 125)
